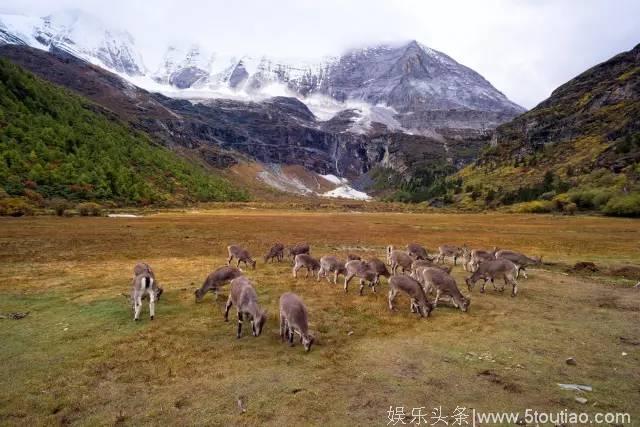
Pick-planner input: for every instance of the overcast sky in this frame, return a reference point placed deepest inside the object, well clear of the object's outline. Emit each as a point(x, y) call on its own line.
point(524, 48)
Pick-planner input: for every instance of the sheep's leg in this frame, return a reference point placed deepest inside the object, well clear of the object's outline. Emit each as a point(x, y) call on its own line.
point(290, 335)
point(455, 259)
point(229, 260)
point(239, 325)
point(514, 289)
point(392, 296)
point(295, 270)
point(307, 275)
point(347, 279)
point(484, 283)
point(152, 303)
point(435, 302)
point(138, 305)
point(335, 278)
point(226, 309)
point(361, 286)
point(282, 327)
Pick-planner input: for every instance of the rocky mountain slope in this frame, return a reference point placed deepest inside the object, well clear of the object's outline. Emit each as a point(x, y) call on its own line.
point(579, 149)
point(407, 86)
point(277, 130)
point(56, 145)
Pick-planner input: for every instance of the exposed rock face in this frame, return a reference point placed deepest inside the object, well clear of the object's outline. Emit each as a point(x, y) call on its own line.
point(186, 77)
point(279, 130)
point(603, 102)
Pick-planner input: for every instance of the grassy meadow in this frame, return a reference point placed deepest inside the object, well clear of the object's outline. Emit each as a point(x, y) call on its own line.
point(79, 358)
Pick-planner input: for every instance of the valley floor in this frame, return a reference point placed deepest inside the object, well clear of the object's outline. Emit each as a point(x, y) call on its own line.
point(78, 357)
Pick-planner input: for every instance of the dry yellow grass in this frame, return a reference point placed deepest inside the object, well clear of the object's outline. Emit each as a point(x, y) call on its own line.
point(79, 357)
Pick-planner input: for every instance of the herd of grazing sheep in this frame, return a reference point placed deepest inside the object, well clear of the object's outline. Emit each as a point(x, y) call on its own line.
point(412, 271)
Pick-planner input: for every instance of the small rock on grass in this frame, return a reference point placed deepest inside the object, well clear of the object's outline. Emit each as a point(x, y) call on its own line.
point(581, 400)
point(14, 316)
point(571, 361)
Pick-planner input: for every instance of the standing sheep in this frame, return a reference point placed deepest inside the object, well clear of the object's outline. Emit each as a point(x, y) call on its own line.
point(244, 297)
point(454, 252)
point(306, 261)
point(400, 259)
point(495, 269)
point(378, 267)
point(331, 264)
point(520, 260)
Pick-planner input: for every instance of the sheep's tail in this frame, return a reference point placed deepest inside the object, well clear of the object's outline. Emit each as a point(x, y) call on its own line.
point(147, 282)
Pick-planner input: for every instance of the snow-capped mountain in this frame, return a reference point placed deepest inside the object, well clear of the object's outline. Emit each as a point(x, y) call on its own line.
point(406, 86)
point(76, 33)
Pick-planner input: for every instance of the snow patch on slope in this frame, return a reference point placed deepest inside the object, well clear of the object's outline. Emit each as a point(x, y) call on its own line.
point(334, 179)
point(347, 192)
point(275, 176)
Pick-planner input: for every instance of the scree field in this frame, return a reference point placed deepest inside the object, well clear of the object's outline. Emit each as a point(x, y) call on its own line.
point(79, 358)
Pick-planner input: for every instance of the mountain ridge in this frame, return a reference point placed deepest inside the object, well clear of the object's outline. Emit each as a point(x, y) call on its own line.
point(578, 149)
point(424, 90)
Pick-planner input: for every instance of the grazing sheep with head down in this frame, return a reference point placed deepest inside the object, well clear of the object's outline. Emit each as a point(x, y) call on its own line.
point(360, 269)
point(294, 319)
point(216, 279)
point(275, 253)
point(141, 268)
point(417, 251)
point(241, 255)
point(419, 302)
point(379, 268)
point(144, 284)
point(444, 284)
point(300, 248)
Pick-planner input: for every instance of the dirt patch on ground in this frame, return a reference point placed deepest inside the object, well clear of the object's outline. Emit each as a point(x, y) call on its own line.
point(495, 378)
point(584, 267)
point(630, 272)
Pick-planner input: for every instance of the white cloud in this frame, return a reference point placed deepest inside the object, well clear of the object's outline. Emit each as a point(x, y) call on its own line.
point(524, 48)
